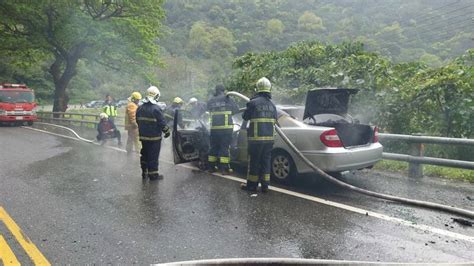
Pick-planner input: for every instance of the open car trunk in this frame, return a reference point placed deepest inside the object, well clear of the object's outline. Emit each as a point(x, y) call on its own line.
point(351, 134)
point(333, 103)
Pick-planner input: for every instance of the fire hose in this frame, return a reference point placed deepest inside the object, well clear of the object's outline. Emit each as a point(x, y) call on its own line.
point(68, 129)
point(419, 203)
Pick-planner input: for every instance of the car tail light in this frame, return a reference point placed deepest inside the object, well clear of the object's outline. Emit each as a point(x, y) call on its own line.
point(330, 138)
point(376, 135)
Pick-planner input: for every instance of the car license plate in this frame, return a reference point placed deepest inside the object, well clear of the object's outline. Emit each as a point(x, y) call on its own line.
point(19, 117)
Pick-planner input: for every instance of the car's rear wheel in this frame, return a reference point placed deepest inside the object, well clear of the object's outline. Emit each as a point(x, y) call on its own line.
point(283, 168)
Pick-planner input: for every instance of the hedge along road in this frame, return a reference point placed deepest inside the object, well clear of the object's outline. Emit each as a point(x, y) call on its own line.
point(81, 203)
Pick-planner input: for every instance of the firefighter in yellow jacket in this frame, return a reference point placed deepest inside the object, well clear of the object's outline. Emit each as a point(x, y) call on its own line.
point(131, 124)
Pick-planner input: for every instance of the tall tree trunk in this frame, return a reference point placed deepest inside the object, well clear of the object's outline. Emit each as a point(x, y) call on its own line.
point(61, 98)
point(61, 80)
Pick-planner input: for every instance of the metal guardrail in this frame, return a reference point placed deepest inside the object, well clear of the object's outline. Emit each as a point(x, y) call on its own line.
point(416, 159)
point(72, 118)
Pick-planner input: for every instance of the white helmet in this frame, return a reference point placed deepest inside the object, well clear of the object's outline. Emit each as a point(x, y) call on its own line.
point(264, 85)
point(192, 100)
point(153, 94)
point(103, 116)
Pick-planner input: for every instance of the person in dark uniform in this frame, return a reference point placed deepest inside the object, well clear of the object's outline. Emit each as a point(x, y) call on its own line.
point(151, 125)
point(262, 116)
point(196, 108)
point(177, 104)
point(221, 108)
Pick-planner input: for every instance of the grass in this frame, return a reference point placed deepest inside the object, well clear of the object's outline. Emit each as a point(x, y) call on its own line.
point(428, 170)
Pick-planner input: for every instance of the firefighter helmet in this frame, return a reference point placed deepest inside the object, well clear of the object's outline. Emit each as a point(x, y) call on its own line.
point(103, 116)
point(136, 96)
point(192, 100)
point(153, 92)
point(178, 100)
point(264, 85)
point(152, 95)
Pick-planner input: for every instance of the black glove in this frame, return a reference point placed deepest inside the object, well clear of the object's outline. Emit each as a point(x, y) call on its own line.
point(167, 134)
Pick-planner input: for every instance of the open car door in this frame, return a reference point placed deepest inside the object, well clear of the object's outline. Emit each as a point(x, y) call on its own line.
point(190, 138)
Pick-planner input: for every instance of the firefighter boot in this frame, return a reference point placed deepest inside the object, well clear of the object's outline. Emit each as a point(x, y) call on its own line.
point(227, 171)
point(154, 177)
point(249, 186)
point(212, 168)
point(264, 188)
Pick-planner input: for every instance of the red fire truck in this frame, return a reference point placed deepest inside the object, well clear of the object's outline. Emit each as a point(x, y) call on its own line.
point(17, 104)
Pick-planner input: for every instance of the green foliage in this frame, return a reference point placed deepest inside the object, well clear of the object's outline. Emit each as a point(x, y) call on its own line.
point(400, 98)
point(444, 98)
point(118, 35)
point(310, 22)
point(274, 28)
point(428, 170)
point(210, 42)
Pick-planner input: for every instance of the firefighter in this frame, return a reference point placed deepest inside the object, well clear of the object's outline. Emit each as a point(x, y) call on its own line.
point(196, 108)
point(131, 123)
point(177, 104)
point(107, 130)
point(221, 108)
point(262, 115)
point(151, 125)
point(110, 107)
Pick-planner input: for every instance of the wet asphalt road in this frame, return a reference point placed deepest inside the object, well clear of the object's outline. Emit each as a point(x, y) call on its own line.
point(81, 203)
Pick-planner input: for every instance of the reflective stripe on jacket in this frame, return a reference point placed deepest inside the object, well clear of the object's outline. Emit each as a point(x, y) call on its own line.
point(221, 108)
point(262, 115)
point(151, 123)
point(110, 110)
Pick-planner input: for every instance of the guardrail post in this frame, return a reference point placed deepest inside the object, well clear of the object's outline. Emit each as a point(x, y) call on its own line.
point(416, 149)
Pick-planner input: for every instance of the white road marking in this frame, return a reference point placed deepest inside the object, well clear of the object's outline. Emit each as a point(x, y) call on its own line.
point(311, 198)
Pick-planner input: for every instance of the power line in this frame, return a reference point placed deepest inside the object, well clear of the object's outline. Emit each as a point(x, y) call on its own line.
point(445, 35)
point(442, 20)
point(436, 30)
point(450, 12)
point(438, 37)
point(438, 8)
point(444, 27)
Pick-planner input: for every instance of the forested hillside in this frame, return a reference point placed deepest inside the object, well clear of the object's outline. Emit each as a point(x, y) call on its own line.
point(202, 37)
point(432, 31)
point(410, 58)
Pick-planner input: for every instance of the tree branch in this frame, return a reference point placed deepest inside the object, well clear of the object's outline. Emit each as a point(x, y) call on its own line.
point(107, 10)
point(51, 38)
point(102, 63)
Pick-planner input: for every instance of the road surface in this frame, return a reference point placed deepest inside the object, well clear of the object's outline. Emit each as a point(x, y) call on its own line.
point(73, 202)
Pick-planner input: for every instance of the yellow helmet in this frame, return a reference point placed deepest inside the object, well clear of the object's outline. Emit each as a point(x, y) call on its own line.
point(264, 85)
point(178, 100)
point(135, 96)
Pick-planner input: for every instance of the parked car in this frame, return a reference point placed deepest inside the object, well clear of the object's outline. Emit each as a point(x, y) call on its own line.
point(95, 104)
point(122, 103)
point(162, 105)
point(322, 130)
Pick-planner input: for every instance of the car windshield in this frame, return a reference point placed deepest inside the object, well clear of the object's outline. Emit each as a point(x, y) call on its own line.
point(12, 96)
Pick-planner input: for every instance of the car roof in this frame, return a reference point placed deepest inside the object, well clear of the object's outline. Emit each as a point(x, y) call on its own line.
point(286, 107)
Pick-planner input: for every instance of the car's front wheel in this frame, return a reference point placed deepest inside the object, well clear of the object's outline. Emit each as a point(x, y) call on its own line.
point(283, 168)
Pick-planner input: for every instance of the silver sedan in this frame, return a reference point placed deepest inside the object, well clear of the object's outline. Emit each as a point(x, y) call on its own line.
point(328, 137)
